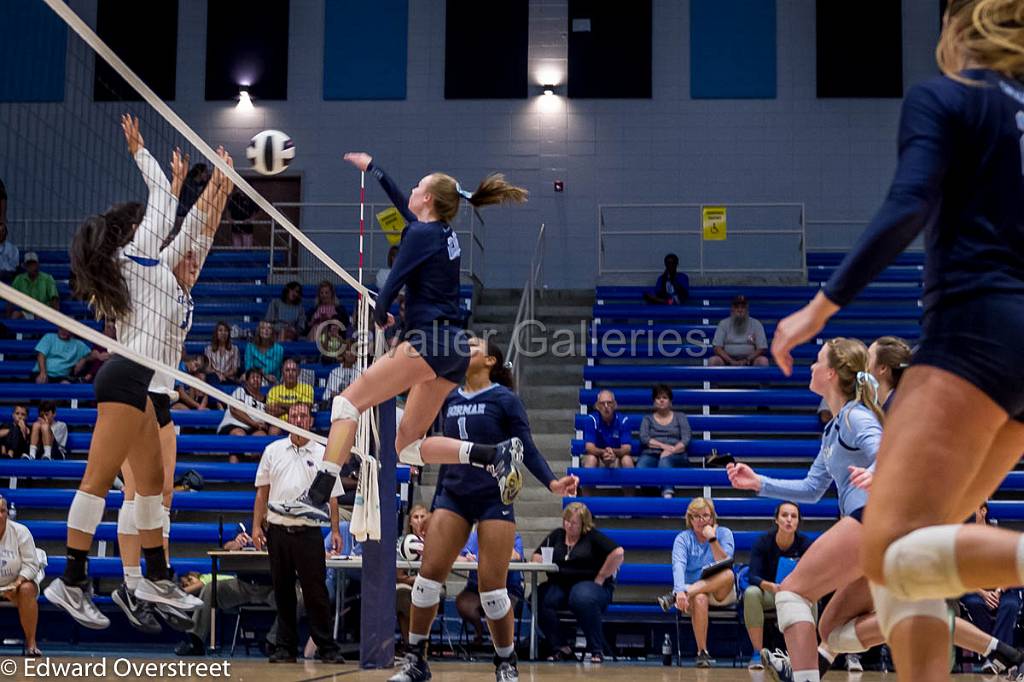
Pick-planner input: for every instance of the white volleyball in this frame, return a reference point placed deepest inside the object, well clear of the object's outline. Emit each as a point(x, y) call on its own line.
point(411, 548)
point(270, 152)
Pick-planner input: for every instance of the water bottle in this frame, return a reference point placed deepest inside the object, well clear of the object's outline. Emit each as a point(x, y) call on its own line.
point(666, 650)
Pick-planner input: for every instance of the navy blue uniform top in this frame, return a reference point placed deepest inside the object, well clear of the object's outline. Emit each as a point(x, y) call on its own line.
point(428, 264)
point(961, 177)
point(487, 417)
point(676, 288)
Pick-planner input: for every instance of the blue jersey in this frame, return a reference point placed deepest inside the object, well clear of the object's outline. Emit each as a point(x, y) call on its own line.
point(850, 439)
point(960, 177)
point(607, 435)
point(428, 265)
point(488, 417)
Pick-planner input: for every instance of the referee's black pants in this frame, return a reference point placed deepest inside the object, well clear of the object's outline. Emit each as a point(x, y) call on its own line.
point(299, 551)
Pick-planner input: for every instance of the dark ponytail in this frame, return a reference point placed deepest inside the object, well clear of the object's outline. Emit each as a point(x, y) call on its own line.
point(501, 373)
point(97, 274)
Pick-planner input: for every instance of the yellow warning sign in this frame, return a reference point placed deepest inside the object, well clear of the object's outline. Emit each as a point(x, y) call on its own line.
point(713, 219)
point(392, 222)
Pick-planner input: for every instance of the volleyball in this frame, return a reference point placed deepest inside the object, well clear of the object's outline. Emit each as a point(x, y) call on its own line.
point(411, 548)
point(270, 152)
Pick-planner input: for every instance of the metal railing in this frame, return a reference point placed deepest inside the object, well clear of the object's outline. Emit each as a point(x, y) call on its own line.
point(316, 215)
point(527, 311)
point(747, 222)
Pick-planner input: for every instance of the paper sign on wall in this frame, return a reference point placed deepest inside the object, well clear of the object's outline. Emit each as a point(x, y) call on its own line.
point(392, 222)
point(713, 219)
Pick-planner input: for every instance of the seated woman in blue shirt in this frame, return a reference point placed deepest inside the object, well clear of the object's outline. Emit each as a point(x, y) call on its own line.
point(703, 543)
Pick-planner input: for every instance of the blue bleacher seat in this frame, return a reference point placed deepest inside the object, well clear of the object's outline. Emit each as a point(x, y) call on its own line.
point(783, 423)
point(756, 449)
point(755, 294)
point(629, 397)
point(110, 567)
point(55, 498)
point(211, 471)
point(227, 273)
point(655, 507)
point(216, 257)
point(763, 312)
point(651, 348)
point(681, 477)
point(859, 330)
point(180, 532)
point(675, 374)
point(834, 258)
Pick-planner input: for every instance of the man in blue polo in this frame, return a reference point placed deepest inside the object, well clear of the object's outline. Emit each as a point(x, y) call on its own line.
point(606, 436)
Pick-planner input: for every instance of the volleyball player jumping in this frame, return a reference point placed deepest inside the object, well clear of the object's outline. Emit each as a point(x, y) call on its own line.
point(432, 359)
point(116, 260)
point(185, 255)
point(957, 426)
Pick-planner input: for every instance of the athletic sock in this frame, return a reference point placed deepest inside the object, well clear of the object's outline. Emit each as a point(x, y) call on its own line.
point(477, 454)
point(329, 467)
point(33, 450)
point(504, 651)
point(320, 490)
point(132, 576)
point(992, 644)
point(418, 644)
point(825, 660)
point(156, 563)
point(47, 452)
point(76, 571)
point(806, 676)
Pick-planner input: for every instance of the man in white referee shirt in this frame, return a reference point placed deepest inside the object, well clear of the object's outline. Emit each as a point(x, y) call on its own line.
point(295, 545)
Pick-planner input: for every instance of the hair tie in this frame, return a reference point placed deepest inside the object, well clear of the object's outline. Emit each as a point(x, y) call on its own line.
point(507, 365)
point(463, 193)
point(867, 378)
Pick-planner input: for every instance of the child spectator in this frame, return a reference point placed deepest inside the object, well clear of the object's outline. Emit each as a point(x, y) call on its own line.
point(14, 437)
point(340, 377)
point(328, 307)
point(51, 434)
point(192, 398)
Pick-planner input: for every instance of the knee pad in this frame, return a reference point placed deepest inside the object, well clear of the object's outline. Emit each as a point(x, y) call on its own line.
point(922, 565)
point(86, 512)
point(426, 593)
point(126, 519)
point(166, 513)
point(844, 640)
point(495, 603)
point(410, 454)
point(890, 609)
point(149, 512)
point(343, 409)
point(791, 608)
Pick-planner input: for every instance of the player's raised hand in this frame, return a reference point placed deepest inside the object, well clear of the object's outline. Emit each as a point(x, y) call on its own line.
point(360, 160)
point(132, 135)
point(743, 477)
point(565, 486)
point(801, 326)
point(179, 169)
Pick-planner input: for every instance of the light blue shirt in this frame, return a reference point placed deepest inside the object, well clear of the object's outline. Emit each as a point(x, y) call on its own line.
point(850, 439)
point(61, 355)
point(9, 257)
point(690, 556)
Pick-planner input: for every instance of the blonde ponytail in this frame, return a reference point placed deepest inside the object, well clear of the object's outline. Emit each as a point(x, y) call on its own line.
point(986, 33)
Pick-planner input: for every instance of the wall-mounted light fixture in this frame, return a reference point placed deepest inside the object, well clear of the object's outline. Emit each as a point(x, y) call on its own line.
point(244, 101)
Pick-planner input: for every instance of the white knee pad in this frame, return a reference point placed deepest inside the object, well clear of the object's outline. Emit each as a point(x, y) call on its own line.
point(166, 512)
point(791, 608)
point(890, 609)
point(86, 512)
point(410, 454)
point(343, 409)
point(844, 640)
point(426, 593)
point(149, 512)
point(922, 564)
point(495, 603)
point(126, 519)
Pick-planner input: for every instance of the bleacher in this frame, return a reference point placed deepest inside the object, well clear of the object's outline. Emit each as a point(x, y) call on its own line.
point(755, 414)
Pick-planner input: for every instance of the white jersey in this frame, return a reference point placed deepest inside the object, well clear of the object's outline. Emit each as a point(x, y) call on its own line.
point(161, 311)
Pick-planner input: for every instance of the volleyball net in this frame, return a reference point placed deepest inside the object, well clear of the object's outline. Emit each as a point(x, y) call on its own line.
point(76, 161)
